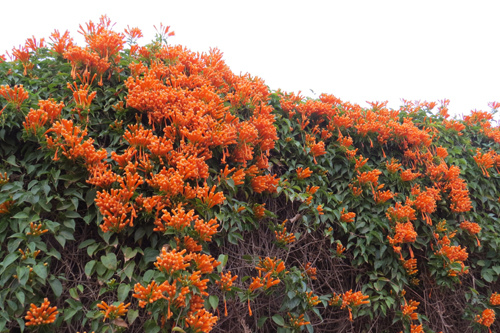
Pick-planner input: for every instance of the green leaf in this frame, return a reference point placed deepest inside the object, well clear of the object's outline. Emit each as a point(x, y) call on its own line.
point(56, 286)
point(223, 260)
point(213, 301)
point(132, 316)
point(278, 319)
point(123, 291)
point(86, 243)
point(109, 261)
point(151, 326)
point(40, 270)
point(89, 267)
point(261, 321)
point(129, 269)
point(74, 293)
point(150, 255)
point(9, 259)
point(20, 296)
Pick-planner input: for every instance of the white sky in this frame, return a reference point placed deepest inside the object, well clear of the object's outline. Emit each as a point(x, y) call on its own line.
point(356, 50)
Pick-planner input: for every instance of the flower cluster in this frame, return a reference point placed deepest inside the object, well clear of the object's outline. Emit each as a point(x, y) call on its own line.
point(45, 314)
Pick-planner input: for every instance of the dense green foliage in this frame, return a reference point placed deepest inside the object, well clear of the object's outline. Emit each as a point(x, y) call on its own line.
point(126, 167)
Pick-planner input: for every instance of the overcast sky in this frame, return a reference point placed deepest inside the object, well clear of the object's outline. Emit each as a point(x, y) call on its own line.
point(356, 50)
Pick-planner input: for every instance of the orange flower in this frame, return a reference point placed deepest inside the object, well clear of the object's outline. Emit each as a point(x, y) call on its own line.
point(111, 311)
point(485, 161)
point(381, 197)
point(5, 206)
point(369, 177)
point(347, 217)
point(203, 263)
point(41, 315)
point(303, 173)
point(36, 229)
point(319, 208)
point(60, 44)
point(15, 96)
point(201, 321)
point(259, 211)
point(265, 183)
point(209, 197)
point(226, 281)
point(282, 236)
point(405, 233)
point(310, 271)
point(393, 166)
point(495, 299)
point(171, 262)
point(81, 93)
point(408, 175)
point(410, 266)
point(151, 293)
point(360, 162)
point(256, 283)
point(471, 227)
point(408, 309)
point(312, 300)
point(350, 300)
point(297, 322)
point(416, 328)
point(340, 249)
point(206, 230)
point(486, 318)
point(35, 120)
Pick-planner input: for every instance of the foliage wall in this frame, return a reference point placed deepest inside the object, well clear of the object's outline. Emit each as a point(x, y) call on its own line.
point(150, 189)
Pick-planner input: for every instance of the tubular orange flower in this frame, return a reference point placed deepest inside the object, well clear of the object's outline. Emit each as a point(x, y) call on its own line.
point(409, 308)
point(41, 315)
point(282, 236)
point(408, 175)
point(350, 300)
point(393, 166)
point(81, 93)
point(485, 161)
point(15, 96)
point(297, 322)
point(35, 121)
point(23, 55)
point(312, 300)
point(171, 262)
point(206, 230)
point(36, 229)
point(416, 328)
point(347, 217)
point(201, 321)
point(111, 311)
point(360, 162)
point(495, 299)
point(486, 318)
point(340, 249)
point(259, 211)
point(226, 281)
point(310, 271)
point(209, 197)
point(381, 197)
point(149, 294)
point(319, 208)
point(303, 173)
point(471, 227)
point(265, 183)
point(5, 206)
point(256, 283)
point(410, 266)
point(60, 44)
